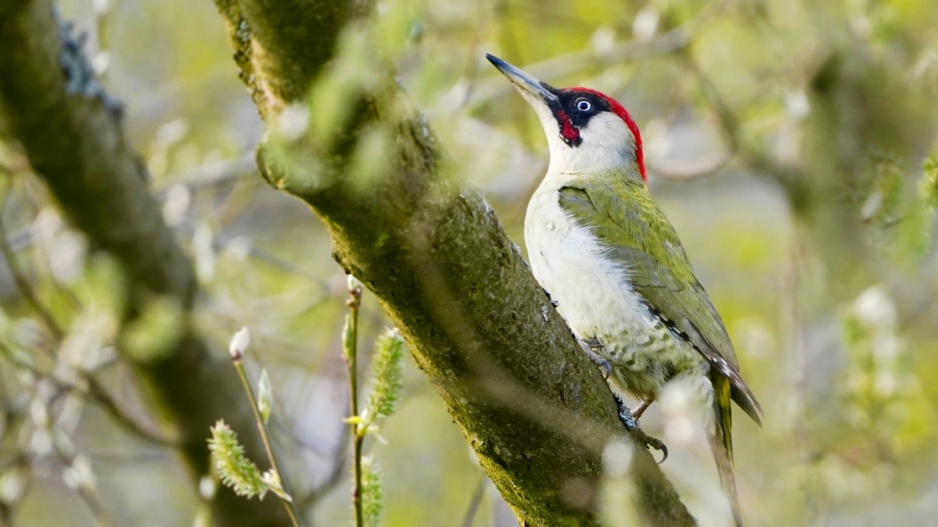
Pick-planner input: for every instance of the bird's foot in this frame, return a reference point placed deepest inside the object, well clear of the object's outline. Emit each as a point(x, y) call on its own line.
point(589, 346)
point(631, 424)
point(640, 409)
point(652, 442)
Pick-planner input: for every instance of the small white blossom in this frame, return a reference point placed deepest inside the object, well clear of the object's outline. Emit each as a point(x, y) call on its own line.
point(272, 479)
point(172, 132)
point(875, 308)
point(100, 7)
point(176, 203)
point(797, 105)
point(353, 283)
point(617, 457)
point(203, 247)
point(207, 487)
point(604, 38)
point(41, 442)
point(239, 343)
point(645, 24)
point(79, 475)
point(38, 413)
point(13, 484)
point(101, 62)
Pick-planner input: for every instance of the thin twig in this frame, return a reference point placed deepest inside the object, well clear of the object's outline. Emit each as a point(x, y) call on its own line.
point(350, 343)
point(87, 495)
point(730, 129)
point(729, 123)
point(102, 398)
point(96, 394)
point(65, 451)
point(265, 437)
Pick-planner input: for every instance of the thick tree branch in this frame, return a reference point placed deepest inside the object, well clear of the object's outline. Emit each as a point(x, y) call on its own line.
point(535, 410)
point(70, 129)
point(276, 49)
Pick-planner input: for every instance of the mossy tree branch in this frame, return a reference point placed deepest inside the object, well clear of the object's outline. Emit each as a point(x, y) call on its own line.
point(535, 410)
point(70, 129)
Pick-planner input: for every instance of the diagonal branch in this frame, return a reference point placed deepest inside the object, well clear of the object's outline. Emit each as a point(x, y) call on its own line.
point(535, 410)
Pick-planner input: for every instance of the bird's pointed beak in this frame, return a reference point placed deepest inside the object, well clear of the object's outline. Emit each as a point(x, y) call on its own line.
point(522, 80)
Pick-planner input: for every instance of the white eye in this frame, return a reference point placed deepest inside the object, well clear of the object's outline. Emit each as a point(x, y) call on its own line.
point(583, 105)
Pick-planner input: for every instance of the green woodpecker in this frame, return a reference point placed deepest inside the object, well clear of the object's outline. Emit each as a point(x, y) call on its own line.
point(614, 267)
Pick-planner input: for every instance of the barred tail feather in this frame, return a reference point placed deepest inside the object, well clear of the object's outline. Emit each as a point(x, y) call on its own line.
point(721, 442)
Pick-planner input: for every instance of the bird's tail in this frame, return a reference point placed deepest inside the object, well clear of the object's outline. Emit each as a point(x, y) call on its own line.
point(721, 441)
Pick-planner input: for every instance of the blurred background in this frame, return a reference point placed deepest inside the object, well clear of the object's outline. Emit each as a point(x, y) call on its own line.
point(793, 144)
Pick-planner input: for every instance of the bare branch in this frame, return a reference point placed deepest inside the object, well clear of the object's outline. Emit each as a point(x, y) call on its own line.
point(788, 177)
point(95, 393)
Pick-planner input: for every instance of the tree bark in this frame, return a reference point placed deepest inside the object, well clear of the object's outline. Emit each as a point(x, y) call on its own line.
point(534, 409)
point(70, 130)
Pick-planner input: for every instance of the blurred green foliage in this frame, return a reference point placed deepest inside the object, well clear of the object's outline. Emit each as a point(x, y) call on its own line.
point(814, 235)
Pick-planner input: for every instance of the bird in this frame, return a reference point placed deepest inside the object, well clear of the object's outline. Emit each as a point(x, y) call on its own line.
point(616, 271)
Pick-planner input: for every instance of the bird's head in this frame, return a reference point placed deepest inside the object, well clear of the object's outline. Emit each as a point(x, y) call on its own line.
point(587, 131)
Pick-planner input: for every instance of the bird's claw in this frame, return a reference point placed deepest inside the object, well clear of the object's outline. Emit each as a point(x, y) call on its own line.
point(631, 424)
point(652, 442)
point(589, 345)
point(602, 363)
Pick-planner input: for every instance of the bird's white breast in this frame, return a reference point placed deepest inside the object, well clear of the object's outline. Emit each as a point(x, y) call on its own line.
point(592, 291)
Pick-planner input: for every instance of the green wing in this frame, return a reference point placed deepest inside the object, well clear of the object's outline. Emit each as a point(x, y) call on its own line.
point(638, 235)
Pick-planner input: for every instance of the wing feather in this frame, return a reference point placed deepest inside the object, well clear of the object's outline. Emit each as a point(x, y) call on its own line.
point(637, 233)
